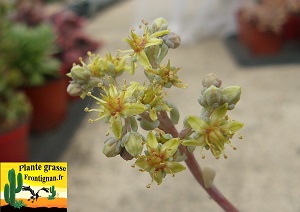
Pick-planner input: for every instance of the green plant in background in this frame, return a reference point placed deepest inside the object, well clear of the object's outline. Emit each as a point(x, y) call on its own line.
point(28, 53)
point(10, 189)
point(53, 193)
point(123, 104)
point(14, 106)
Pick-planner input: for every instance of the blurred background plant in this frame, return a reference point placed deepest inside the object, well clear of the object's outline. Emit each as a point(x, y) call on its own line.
point(269, 15)
point(28, 53)
point(265, 26)
point(35, 46)
point(14, 106)
point(266, 15)
point(70, 39)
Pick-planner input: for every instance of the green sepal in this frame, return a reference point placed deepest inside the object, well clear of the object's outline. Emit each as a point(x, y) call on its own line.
point(133, 143)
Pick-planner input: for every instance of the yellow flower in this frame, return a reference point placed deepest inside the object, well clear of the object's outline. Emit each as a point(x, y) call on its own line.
point(214, 133)
point(112, 66)
point(116, 104)
point(159, 158)
point(152, 97)
point(138, 44)
point(165, 75)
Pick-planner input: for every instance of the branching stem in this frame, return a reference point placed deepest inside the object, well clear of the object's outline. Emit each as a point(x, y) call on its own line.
point(167, 126)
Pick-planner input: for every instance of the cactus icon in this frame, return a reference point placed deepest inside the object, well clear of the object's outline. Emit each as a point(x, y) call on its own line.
point(53, 193)
point(10, 189)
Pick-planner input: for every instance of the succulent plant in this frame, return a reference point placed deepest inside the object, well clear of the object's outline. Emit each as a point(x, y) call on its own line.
point(70, 40)
point(28, 51)
point(14, 107)
point(266, 15)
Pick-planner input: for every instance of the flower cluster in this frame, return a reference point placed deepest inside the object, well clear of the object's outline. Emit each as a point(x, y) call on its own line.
point(133, 106)
point(214, 128)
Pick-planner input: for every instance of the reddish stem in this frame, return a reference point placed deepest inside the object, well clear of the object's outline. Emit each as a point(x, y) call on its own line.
point(191, 162)
point(213, 192)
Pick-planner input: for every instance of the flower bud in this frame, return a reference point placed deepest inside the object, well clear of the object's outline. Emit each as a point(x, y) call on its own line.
point(202, 101)
point(110, 148)
point(232, 94)
point(125, 155)
point(133, 143)
point(172, 40)
point(211, 79)
point(80, 74)
point(213, 95)
point(74, 89)
point(159, 24)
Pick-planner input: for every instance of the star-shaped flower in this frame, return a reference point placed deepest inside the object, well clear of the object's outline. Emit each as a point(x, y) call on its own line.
point(214, 133)
point(159, 158)
point(153, 98)
point(138, 44)
point(116, 104)
point(165, 75)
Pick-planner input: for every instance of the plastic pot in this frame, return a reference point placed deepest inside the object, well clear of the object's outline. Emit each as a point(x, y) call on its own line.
point(14, 144)
point(49, 104)
point(259, 43)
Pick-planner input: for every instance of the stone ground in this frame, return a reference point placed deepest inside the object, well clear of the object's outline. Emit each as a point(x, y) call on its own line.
point(263, 174)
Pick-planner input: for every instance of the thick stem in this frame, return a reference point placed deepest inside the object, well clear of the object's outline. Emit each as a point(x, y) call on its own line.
point(167, 126)
point(213, 192)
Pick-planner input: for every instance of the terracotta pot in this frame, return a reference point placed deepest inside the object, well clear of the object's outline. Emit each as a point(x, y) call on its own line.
point(291, 29)
point(243, 30)
point(259, 43)
point(49, 104)
point(14, 144)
